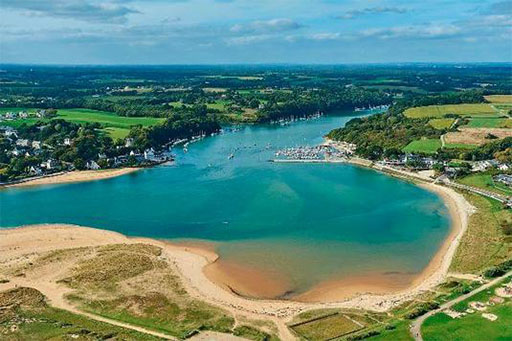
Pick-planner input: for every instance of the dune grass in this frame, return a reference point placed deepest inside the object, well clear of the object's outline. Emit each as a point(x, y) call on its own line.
point(34, 319)
point(484, 244)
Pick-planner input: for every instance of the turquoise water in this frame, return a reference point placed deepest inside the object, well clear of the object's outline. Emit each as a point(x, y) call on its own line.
point(310, 221)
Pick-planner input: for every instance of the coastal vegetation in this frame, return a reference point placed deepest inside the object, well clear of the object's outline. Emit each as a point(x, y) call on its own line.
point(129, 283)
point(485, 243)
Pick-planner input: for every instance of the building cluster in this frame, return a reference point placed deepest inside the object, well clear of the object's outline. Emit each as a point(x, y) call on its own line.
point(19, 115)
point(24, 148)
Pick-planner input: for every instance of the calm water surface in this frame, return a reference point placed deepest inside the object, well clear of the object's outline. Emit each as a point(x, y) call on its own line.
point(311, 221)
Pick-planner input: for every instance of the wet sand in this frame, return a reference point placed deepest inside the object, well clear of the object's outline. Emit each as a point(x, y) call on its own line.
point(262, 284)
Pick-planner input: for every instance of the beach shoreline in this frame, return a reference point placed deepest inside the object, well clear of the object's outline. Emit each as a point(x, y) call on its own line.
point(225, 275)
point(72, 177)
point(191, 260)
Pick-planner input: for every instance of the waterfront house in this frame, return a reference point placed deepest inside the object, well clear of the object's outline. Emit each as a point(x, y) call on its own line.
point(50, 164)
point(35, 171)
point(92, 165)
point(149, 154)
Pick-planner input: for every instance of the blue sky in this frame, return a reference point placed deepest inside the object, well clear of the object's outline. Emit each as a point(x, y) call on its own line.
point(254, 31)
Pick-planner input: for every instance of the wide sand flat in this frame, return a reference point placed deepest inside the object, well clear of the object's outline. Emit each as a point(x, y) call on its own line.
point(76, 176)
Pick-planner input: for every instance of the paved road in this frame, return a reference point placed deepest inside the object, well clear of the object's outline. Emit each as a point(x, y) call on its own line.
point(416, 324)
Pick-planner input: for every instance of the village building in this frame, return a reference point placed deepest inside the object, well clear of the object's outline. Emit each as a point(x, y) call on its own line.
point(128, 142)
point(35, 171)
point(22, 142)
point(92, 165)
point(50, 164)
point(503, 178)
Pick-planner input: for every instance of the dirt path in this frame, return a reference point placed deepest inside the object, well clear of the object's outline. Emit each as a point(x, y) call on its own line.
point(416, 325)
point(56, 299)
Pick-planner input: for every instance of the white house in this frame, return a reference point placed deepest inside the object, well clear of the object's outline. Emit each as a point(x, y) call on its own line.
point(92, 165)
point(36, 144)
point(149, 154)
point(50, 164)
point(67, 141)
point(504, 167)
point(22, 142)
point(11, 134)
point(128, 142)
point(35, 170)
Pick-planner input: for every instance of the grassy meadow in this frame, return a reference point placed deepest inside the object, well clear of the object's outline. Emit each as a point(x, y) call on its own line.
point(441, 123)
point(472, 326)
point(499, 98)
point(439, 111)
point(427, 146)
point(496, 122)
point(484, 244)
point(485, 181)
point(116, 126)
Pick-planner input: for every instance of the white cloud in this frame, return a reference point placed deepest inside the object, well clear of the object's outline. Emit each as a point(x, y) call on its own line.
point(427, 31)
point(372, 10)
point(74, 9)
point(274, 25)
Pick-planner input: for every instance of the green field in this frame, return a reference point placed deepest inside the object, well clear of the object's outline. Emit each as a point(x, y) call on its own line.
point(485, 181)
point(116, 126)
point(107, 119)
point(459, 146)
point(472, 326)
point(439, 111)
point(427, 146)
point(492, 122)
point(441, 123)
point(499, 98)
point(218, 105)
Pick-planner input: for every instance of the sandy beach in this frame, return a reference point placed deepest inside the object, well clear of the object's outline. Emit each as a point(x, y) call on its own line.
point(190, 262)
point(75, 176)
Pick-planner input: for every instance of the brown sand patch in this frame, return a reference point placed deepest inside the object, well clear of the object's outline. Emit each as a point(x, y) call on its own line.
point(476, 135)
point(247, 282)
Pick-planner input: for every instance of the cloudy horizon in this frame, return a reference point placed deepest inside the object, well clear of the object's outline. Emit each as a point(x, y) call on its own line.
point(240, 32)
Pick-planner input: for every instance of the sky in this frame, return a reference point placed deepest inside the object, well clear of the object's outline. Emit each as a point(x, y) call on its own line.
point(254, 31)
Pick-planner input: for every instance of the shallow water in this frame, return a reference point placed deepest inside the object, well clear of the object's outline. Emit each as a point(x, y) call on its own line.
point(310, 222)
